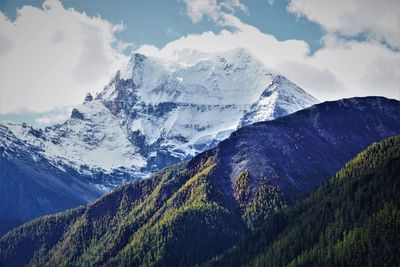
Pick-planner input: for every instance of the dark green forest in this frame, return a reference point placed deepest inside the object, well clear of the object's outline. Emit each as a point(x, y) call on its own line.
point(352, 220)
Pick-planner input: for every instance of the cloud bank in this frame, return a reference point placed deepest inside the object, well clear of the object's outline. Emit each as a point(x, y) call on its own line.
point(52, 56)
point(378, 20)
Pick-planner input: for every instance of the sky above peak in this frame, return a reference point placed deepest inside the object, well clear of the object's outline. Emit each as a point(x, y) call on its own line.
point(53, 52)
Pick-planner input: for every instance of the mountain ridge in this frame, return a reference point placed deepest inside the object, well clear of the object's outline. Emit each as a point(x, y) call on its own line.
point(209, 203)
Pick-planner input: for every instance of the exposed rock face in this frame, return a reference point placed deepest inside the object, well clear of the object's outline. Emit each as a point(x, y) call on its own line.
point(76, 114)
point(88, 97)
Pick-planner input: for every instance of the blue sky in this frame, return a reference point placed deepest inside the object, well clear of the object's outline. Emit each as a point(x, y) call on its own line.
point(159, 22)
point(54, 52)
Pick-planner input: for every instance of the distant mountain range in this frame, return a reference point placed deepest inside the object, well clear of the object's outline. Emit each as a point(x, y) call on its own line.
point(191, 212)
point(155, 112)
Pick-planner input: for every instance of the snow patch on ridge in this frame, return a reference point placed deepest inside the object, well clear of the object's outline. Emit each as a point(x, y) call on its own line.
point(96, 140)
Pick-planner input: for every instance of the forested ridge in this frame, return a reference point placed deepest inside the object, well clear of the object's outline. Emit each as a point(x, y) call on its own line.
point(352, 220)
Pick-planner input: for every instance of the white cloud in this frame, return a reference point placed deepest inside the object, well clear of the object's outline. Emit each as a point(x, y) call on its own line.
point(38, 119)
point(213, 9)
point(319, 81)
point(196, 9)
point(340, 69)
point(52, 56)
point(378, 19)
point(53, 116)
point(265, 46)
point(359, 66)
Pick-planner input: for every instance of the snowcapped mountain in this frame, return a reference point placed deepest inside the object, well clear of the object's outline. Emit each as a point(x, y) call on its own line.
point(172, 109)
point(158, 111)
point(154, 112)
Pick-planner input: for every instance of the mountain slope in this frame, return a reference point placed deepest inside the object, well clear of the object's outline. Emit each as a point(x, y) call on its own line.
point(298, 152)
point(353, 220)
point(193, 211)
point(30, 186)
point(129, 220)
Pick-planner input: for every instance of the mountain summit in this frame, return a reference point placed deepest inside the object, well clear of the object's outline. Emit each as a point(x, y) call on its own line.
point(174, 109)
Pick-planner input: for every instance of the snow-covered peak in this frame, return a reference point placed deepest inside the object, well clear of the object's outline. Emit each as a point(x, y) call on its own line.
point(192, 77)
point(187, 57)
point(191, 100)
point(157, 111)
point(280, 98)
